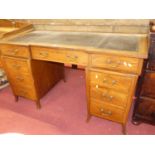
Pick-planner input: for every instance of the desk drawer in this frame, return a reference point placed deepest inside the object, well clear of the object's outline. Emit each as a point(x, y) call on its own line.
point(109, 96)
point(15, 50)
point(118, 63)
point(59, 55)
point(107, 79)
point(106, 111)
point(16, 65)
point(20, 79)
point(27, 92)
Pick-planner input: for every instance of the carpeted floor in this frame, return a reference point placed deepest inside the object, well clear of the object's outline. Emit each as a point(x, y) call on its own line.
point(63, 112)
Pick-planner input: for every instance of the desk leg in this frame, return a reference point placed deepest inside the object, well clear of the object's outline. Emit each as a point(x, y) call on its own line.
point(16, 98)
point(88, 117)
point(38, 104)
point(63, 76)
point(124, 129)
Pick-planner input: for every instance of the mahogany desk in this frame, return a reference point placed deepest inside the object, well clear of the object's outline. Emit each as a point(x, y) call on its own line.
point(113, 62)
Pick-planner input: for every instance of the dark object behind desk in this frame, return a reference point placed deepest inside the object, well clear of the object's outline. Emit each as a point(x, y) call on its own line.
point(144, 110)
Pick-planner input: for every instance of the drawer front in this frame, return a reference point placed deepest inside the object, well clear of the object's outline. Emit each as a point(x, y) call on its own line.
point(16, 65)
point(106, 111)
point(15, 50)
point(18, 80)
point(109, 96)
point(119, 82)
point(59, 55)
point(27, 92)
point(75, 57)
point(131, 65)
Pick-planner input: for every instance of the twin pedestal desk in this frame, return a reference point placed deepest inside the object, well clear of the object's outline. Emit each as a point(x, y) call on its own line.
point(34, 63)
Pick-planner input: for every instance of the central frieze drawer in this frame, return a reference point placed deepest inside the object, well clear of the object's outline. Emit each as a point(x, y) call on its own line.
point(115, 81)
point(118, 63)
point(59, 55)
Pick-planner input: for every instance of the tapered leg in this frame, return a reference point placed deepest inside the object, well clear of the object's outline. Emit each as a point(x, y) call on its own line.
point(88, 117)
point(16, 98)
point(64, 77)
point(124, 129)
point(38, 105)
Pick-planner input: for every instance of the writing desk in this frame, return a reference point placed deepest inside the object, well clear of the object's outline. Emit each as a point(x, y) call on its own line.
point(34, 63)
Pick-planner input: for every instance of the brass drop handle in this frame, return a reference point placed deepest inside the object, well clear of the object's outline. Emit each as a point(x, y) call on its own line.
point(72, 57)
point(23, 92)
point(114, 82)
point(105, 112)
point(75, 56)
point(109, 61)
point(44, 54)
point(15, 51)
point(16, 66)
point(97, 86)
point(104, 94)
point(19, 78)
point(115, 64)
point(104, 80)
point(96, 76)
point(110, 97)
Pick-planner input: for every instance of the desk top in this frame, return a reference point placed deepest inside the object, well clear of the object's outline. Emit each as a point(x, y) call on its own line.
point(130, 44)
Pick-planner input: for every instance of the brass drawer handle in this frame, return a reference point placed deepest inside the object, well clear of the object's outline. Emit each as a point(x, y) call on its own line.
point(13, 51)
point(22, 92)
point(76, 57)
point(109, 61)
point(104, 80)
point(72, 57)
point(97, 86)
point(16, 66)
point(44, 54)
point(96, 76)
point(104, 94)
point(19, 78)
point(105, 112)
point(114, 64)
point(114, 82)
point(108, 97)
point(127, 64)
